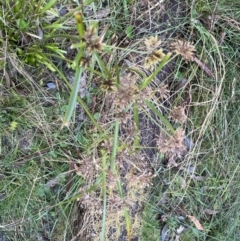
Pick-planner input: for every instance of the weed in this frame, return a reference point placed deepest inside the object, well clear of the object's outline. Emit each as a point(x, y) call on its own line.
point(151, 144)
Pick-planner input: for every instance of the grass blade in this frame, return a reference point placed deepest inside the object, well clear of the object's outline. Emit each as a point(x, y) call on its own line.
point(162, 118)
point(73, 97)
point(104, 194)
point(47, 6)
point(119, 185)
point(148, 80)
point(115, 145)
point(80, 101)
point(102, 66)
point(78, 74)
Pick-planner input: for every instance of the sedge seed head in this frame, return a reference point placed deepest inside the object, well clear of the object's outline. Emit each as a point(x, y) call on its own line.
point(173, 146)
point(184, 48)
point(85, 62)
point(152, 43)
point(153, 58)
point(163, 92)
point(178, 115)
point(92, 40)
point(95, 45)
point(109, 85)
point(90, 34)
point(124, 96)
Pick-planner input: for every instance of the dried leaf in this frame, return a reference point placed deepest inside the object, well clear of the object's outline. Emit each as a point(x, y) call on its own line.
point(182, 84)
point(55, 181)
point(40, 32)
point(177, 238)
point(1, 177)
point(221, 38)
point(196, 222)
point(188, 143)
point(204, 67)
point(7, 78)
point(2, 196)
point(83, 87)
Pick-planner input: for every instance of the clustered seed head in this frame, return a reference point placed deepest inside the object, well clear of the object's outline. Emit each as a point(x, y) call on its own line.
point(173, 147)
point(85, 168)
point(90, 34)
point(141, 96)
point(153, 58)
point(108, 85)
point(152, 43)
point(92, 40)
point(124, 97)
point(107, 146)
point(163, 92)
point(123, 117)
point(85, 61)
point(178, 114)
point(91, 203)
point(128, 80)
point(184, 48)
point(115, 203)
point(112, 179)
point(126, 92)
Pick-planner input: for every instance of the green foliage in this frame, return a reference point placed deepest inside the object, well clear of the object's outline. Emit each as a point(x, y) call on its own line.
point(19, 23)
point(45, 170)
point(129, 32)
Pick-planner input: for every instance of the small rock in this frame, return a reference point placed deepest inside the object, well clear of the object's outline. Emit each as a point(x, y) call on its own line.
point(51, 85)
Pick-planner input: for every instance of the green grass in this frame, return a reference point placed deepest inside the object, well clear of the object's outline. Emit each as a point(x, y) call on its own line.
point(215, 126)
point(90, 181)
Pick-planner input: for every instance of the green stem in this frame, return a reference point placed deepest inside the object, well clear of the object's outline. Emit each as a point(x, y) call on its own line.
point(73, 97)
point(162, 118)
point(104, 193)
point(115, 146)
point(148, 80)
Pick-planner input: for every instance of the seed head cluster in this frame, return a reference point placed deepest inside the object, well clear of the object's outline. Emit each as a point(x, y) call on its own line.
point(184, 48)
point(155, 53)
point(92, 40)
point(173, 147)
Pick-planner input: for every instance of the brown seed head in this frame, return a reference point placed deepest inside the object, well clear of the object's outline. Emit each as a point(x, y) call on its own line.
point(152, 43)
point(108, 85)
point(123, 97)
point(153, 58)
point(178, 114)
point(92, 40)
point(184, 48)
point(173, 146)
point(85, 62)
point(163, 92)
